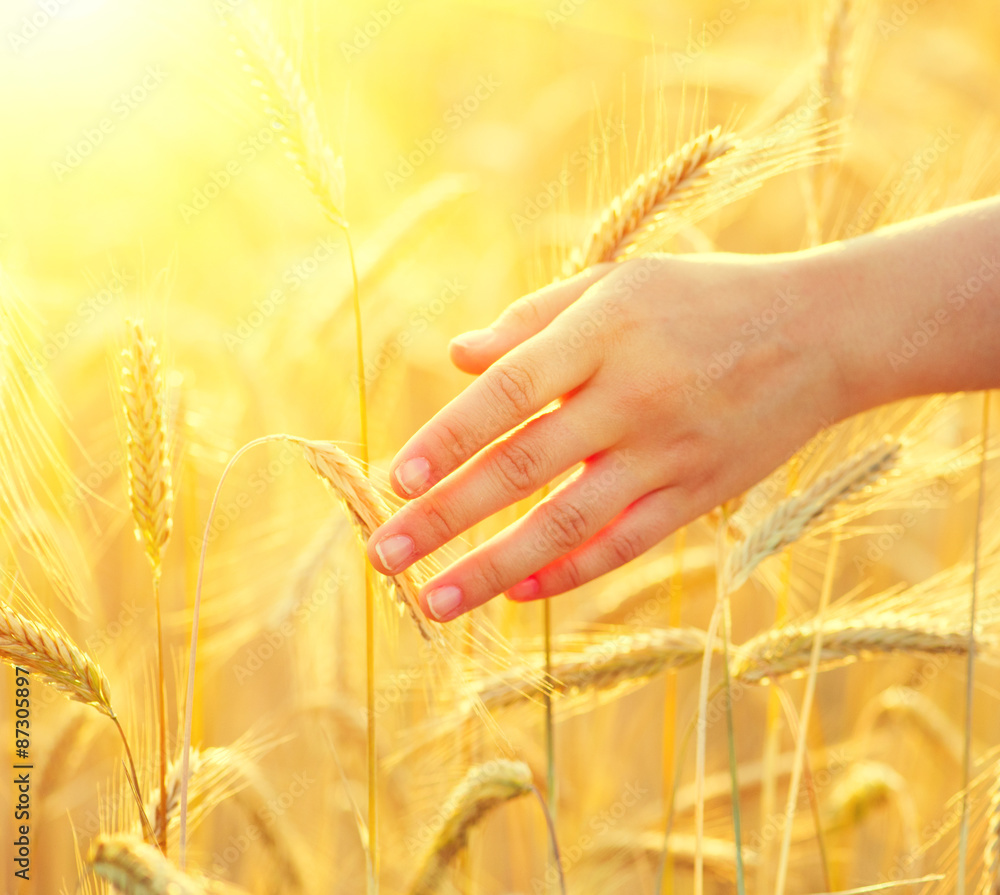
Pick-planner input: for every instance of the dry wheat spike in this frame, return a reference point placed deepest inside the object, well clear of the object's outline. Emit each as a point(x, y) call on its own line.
point(790, 519)
point(368, 511)
point(54, 658)
point(149, 480)
point(786, 651)
point(291, 110)
point(483, 789)
point(135, 868)
point(601, 666)
point(630, 213)
point(991, 851)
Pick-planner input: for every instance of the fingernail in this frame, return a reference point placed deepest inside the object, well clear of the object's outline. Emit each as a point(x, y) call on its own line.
point(524, 590)
point(394, 550)
point(413, 474)
point(444, 601)
point(475, 339)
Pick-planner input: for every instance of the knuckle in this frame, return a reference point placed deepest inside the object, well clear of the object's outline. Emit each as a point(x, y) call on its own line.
point(564, 525)
point(514, 386)
point(517, 468)
point(521, 313)
point(571, 574)
point(492, 576)
point(439, 520)
point(454, 441)
point(624, 546)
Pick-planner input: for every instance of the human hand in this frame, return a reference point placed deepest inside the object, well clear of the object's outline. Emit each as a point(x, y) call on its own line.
point(678, 382)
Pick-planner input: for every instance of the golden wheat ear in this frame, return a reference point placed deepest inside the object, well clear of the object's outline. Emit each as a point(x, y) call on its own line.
point(54, 658)
point(484, 788)
point(135, 868)
point(150, 482)
point(290, 109)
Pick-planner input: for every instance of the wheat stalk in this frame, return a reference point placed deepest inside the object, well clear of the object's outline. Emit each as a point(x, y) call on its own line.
point(483, 789)
point(52, 656)
point(368, 511)
point(790, 519)
point(639, 206)
point(601, 666)
point(785, 651)
point(135, 868)
point(991, 852)
point(292, 112)
point(149, 479)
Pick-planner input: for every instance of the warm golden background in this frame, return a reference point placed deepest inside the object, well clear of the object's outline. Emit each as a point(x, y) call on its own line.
point(140, 176)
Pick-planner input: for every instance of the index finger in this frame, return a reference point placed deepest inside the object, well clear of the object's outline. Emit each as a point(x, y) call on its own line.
point(514, 388)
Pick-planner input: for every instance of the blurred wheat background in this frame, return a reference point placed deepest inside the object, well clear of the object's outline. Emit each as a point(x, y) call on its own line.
point(143, 178)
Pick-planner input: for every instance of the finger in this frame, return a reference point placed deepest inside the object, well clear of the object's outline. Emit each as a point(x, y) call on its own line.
point(642, 525)
point(474, 351)
point(506, 471)
point(516, 387)
point(559, 524)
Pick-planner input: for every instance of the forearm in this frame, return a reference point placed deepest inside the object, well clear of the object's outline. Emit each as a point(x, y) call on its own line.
point(912, 309)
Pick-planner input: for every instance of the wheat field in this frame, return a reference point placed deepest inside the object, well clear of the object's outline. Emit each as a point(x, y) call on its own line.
point(236, 238)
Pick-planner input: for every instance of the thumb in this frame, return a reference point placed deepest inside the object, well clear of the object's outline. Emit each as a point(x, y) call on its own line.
point(474, 351)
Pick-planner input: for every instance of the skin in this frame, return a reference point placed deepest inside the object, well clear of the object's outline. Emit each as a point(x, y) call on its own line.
point(675, 383)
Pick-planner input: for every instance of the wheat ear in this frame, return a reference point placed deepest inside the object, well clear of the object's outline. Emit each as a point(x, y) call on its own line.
point(149, 480)
point(790, 519)
point(991, 851)
point(785, 651)
point(54, 658)
point(292, 111)
point(368, 511)
point(639, 206)
point(135, 868)
point(151, 493)
point(602, 666)
point(483, 789)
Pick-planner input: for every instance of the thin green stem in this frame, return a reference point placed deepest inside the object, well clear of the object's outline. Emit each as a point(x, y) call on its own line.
point(970, 671)
point(373, 868)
